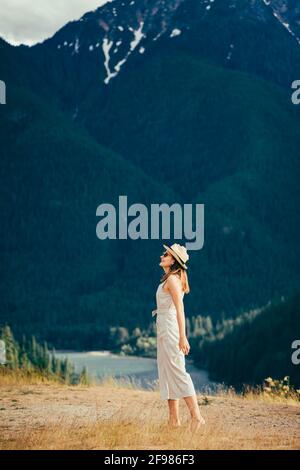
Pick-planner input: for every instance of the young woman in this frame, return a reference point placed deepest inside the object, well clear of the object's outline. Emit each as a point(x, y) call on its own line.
point(172, 343)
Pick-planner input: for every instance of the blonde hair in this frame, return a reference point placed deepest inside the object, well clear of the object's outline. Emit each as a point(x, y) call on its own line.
point(181, 273)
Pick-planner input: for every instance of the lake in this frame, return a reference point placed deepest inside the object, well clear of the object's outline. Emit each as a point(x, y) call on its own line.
point(139, 370)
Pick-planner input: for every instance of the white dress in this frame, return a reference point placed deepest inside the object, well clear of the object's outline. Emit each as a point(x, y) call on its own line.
point(174, 381)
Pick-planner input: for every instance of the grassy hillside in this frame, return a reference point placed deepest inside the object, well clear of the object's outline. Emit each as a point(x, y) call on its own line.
point(119, 416)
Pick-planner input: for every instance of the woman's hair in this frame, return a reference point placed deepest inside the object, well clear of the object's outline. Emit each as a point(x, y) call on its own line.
point(177, 269)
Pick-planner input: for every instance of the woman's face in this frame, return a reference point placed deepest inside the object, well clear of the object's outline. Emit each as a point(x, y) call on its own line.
point(166, 260)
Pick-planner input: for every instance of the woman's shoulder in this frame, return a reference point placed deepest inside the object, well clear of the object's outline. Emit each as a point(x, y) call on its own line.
point(174, 276)
point(174, 280)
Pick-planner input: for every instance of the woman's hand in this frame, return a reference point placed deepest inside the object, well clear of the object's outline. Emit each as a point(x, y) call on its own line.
point(184, 345)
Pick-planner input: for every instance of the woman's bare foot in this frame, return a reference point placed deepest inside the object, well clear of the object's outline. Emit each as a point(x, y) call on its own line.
point(196, 423)
point(174, 423)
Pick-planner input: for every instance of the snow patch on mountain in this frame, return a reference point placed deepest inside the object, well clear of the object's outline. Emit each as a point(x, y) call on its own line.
point(76, 47)
point(279, 12)
point(106, 46)
point(175, 32)
point(138, 35)
point(286, 25)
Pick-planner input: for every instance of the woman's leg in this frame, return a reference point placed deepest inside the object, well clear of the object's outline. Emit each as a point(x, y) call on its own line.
point(192, 404)
point(174, 412)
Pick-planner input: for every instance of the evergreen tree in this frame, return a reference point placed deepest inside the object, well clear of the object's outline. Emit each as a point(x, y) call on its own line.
point(11, 347)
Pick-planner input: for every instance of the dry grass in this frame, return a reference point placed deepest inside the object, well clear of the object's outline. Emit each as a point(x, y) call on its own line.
point(133, 434)
point(119, 415)
point(292, 399)
point(19, 377)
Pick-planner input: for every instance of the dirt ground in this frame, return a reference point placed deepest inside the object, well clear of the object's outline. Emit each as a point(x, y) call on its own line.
point(32, 416)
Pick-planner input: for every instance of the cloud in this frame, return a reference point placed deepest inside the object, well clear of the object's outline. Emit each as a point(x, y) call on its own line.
point(29, 22)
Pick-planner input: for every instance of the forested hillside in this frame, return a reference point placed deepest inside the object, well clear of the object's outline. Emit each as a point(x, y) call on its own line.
point(253, 347)
point(199, 112)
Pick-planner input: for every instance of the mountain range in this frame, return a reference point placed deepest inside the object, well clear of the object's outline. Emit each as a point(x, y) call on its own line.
point(164, 101)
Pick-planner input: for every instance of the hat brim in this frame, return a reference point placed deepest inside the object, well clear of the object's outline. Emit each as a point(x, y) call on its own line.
point(175, 256)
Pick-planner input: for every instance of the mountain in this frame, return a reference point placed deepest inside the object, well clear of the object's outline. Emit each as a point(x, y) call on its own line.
point(186, 118)
point(250, 350)
point(288, 13)
point(57, 278)
point(258, 37)
point(233, 33)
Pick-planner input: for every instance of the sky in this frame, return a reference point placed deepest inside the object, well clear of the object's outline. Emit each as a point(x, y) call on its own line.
point(32, 21)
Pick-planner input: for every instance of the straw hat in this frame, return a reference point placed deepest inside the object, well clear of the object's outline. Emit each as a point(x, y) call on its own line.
point(179, 252)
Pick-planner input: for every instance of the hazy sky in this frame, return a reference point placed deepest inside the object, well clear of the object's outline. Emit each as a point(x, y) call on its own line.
point(32, 21)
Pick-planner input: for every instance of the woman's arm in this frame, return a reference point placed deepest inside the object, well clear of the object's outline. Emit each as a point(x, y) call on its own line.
point(174, 286)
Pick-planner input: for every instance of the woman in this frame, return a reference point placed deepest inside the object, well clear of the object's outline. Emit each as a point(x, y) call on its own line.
point(172, 343)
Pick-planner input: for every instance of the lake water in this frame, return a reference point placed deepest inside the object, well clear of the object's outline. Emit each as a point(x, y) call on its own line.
point(139, 370)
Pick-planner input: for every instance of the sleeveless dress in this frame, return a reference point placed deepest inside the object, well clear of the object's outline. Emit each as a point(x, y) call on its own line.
point(174, 381)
